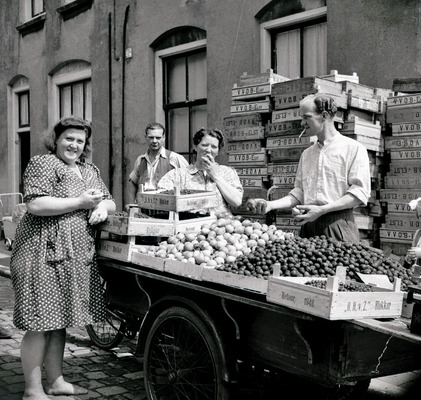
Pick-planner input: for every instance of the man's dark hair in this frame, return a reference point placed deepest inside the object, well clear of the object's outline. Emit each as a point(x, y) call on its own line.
point(154, 125)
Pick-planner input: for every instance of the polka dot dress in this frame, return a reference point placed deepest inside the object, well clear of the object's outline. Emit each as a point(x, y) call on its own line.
point(53, 264)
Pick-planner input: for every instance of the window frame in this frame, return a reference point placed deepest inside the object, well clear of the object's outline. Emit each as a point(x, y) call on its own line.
point(267, 28)
point(59, 78)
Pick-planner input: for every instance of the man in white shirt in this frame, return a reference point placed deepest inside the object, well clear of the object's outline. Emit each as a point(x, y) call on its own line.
point(151, 166)
point(333, 177)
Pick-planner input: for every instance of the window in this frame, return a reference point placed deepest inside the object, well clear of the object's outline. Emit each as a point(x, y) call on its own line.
point(37, 7)
point(70, 91)
point(296, 45)
point(185, 100)
point(19, 134)
point(76, 99)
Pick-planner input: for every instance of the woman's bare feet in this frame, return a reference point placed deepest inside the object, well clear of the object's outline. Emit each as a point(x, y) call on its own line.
point(65, 388)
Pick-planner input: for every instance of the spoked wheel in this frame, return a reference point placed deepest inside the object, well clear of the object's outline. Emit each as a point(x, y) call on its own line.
point(182, 360)
point(109, 333)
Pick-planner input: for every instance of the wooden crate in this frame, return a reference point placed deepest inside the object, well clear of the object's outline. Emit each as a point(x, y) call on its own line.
point(368, 142)
point(244, 146)
point(402, 142)
point(157, 200)
point(238, 281)
point(284, 180)
point(405, 168)
point(406, 128)
point(292, 292)
point(278, 142)
point(251, 106)
point(245, 133)
point(307, 85)
point(251, 181)
point(394, 195)
point(407, 85)
point(251, 170)
point(193, 225)
point(243, 121)
point(399, 208)
point(286, 155)
point(390, 235)
point(252, 91)
point(256, 158)
point(290, 114)
point(375, 105)
point(404, 114)
point(264, 77)
point(284, 128)
point(398, 182)
point(362, 127)
point(408, 154)
point(405, 100)
point(146, 260)
point(117, 250)
point(402, 221)
point(186, 269)
point(284, 168)
point(128, 226)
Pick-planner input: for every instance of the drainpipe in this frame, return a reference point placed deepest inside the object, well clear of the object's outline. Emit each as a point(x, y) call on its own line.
point(110, 109)
point(123, 108)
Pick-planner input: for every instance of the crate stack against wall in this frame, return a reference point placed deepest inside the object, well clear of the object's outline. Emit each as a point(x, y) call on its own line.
point(251, 107)
point(402, 182)
point(365, 122)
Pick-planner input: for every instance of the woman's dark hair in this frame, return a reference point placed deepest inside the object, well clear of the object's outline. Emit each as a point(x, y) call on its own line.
point(216, 133)
point(67, 123)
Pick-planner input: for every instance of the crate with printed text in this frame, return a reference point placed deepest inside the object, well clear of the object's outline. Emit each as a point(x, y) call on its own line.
point(334, 297)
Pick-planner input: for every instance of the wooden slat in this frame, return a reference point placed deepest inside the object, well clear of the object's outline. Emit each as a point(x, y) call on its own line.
point(241, 121)
point(404, 114)
point(245, 133)
point(398, 196)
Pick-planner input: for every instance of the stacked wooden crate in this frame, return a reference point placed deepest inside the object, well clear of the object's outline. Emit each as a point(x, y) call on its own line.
point(365, 122)
point(251, 107)
point(402, 182)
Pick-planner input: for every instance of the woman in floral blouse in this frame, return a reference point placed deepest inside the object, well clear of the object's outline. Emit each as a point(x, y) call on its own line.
point(206, 174)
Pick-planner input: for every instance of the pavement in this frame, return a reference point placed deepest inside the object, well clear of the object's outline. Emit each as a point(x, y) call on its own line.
point(117, 374)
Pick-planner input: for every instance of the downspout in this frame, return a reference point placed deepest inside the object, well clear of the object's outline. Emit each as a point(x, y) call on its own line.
point(123, 108)
point(110, 109)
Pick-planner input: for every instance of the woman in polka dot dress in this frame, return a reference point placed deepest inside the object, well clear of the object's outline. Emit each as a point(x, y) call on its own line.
point(53, 263)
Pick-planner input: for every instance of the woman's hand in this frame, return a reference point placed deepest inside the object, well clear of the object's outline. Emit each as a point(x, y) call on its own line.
point(90, 199)
point(209, 165)
point(98, 214)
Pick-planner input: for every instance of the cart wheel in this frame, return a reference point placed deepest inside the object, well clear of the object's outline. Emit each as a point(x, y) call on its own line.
point(109, 333)
point(182, 360)
point(8, 243)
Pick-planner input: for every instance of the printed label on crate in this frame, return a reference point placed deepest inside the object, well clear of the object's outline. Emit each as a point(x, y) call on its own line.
point(261, 106)
point(246, 145)
point(409, 85)
point(391, 182)
point(398, 196)
point(248, 157)
point(404, 114)
point(257, 132)
point(291, 168)
point(288, 100)
point(284, 180)
point(399, 208)
point(292, 154)
point(289, 141)
point(252, 171)
point(405, 154)
point(243, 92)
point(402, 222)
point(395, 234)
point(403, 142)
point(404, 100)
point(284, 128)
point(406, 127)
point(241, 121)
point(291, 114)
point(373, 105)
point(411, 168)
point(251, 182)
point(283, 221)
